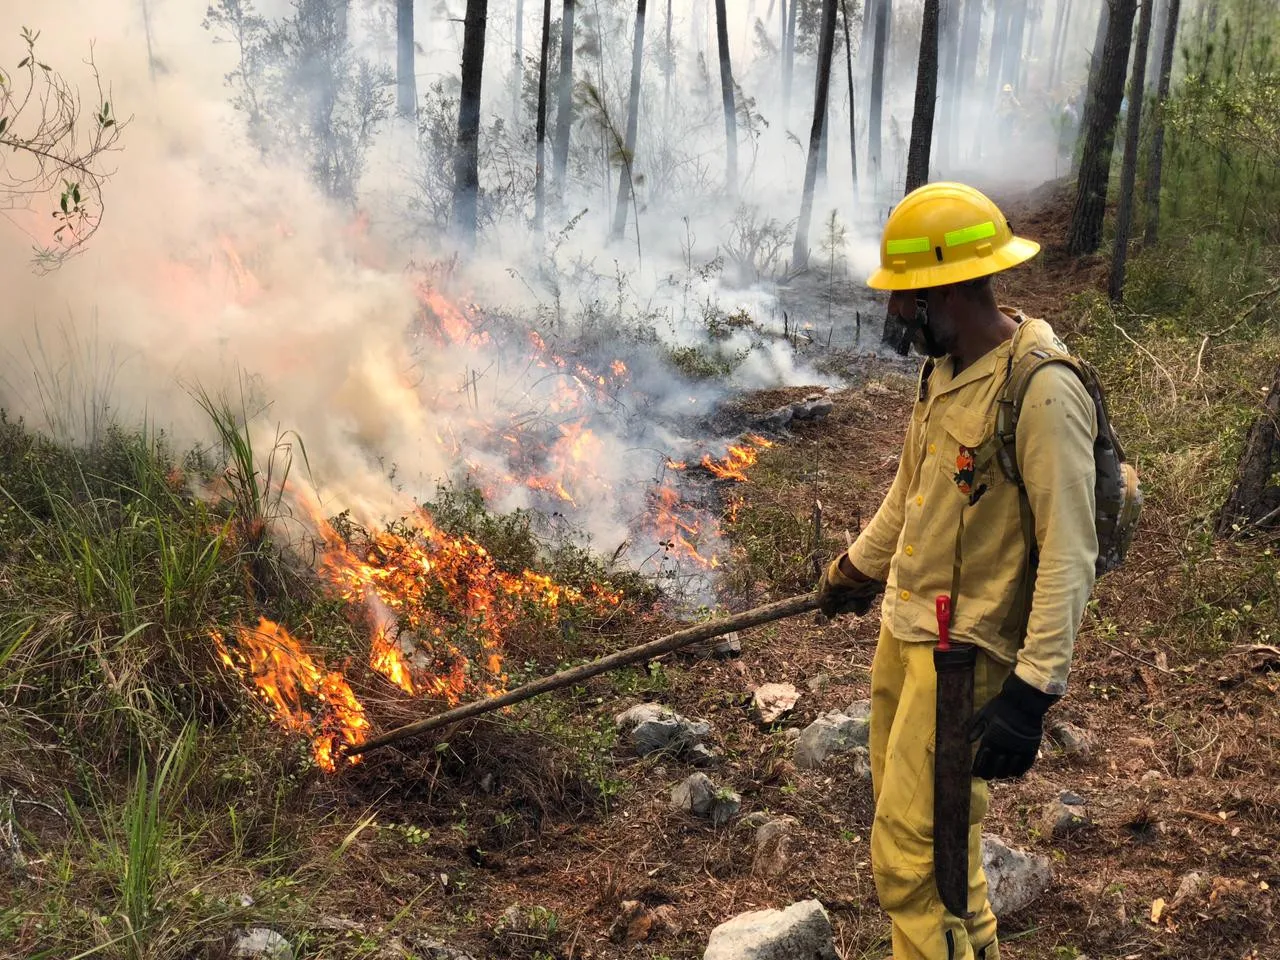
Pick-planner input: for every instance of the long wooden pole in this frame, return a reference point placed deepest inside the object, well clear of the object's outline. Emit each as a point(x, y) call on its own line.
point(672, 641)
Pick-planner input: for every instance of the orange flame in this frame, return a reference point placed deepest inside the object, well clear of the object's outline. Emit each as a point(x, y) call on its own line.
point(734, 465)
point(302, 695)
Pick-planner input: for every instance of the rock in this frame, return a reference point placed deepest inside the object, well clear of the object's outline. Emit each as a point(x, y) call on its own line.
point(702, 798)
point(650, 727)
point(695, 794)
point(830, 733)
point(817, 682)
point(260, 943)
point(800, 932)
point(1076, 743)
point(792, 734)
point(719, 648)
point(775, 421)
point(772, 841)
point(816, 406)
point(1064, 815)
point(859, 710)
point(1188, 888)
point(773, 701)
point(862, 763)
point(703, 757)
point(1015, 878)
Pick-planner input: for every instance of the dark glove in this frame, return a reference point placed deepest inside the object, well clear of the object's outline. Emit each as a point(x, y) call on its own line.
point(1008, 730)
point(839, 593)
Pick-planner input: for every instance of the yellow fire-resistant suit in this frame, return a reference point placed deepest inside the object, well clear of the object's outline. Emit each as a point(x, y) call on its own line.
point(946, 478)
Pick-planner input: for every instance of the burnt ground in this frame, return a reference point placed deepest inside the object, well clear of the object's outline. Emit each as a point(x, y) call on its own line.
point(541, 808)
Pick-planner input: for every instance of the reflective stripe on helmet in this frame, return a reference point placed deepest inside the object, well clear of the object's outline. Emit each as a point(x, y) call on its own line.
point(910, 245)
point(969, 234)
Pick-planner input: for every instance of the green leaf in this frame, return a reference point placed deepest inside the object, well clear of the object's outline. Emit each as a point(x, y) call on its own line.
point(64, 203)
point(24, 62)
point(75, 194)
point(4, 122)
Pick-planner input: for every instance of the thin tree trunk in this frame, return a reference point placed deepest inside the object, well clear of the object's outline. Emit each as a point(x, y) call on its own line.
point(539, 189)
point(926, 95)
point(564, 100)
point(146, 29)
point(824, 143)
point(995, 59)
point(1013, 43)
point(853, 114)
point(1129, 166)
point(948, 43)
point(877, 91)
point(466, 163)
point(668, 68)
point(1095, 71)
point(789, 61)
point(966, 64)
point(518, 63)
point(1099, 139)
point(406, 84)
point(1059, 28)
point(626, 190)
point(1153, 51)
point(822, 83)
point(1156, 160)
point(726, 93)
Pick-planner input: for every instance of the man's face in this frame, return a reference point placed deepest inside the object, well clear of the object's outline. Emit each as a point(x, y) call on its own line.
point(937, 336)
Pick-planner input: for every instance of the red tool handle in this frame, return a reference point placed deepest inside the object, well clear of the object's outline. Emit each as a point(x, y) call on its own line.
point(943, 605)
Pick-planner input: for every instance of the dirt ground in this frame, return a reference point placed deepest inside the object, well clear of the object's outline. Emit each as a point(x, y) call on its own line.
point(1182, 779)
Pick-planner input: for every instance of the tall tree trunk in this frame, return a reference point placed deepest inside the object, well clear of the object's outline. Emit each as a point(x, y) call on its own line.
point(824, 143)
point(1013, 43)
point(539, 188)
point(1161, 12)
point(1099, 139)
point(926, 94)
point(966, 65)
point(668, 68)
point(995, 58)
point(853, 113)
point(518, 59)
point(726, 94)
point(406, 84)
point(626, 190)
point(1129, 166)
point(1059, 29)
point(877, 91)
point(466, 161)
point(1095, 72)
point(1155, 162)
point(146, 29)
point(826, 47)
point(948, 44)
point(564, 100)
point(789, 62)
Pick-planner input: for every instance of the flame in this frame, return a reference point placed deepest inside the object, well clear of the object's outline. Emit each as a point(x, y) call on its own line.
point(676, 523)
point(734, 465)
point(302, 696)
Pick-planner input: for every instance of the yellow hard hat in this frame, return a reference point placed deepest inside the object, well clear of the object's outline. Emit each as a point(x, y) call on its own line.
point(945, 233)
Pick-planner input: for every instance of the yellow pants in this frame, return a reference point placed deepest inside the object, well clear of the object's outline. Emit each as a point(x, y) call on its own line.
point(903, 704)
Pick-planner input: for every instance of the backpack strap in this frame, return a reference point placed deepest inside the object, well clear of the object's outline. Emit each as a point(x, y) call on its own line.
point(1009, 405)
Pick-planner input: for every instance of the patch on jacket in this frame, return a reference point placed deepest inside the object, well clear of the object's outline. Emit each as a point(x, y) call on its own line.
point(964, 470)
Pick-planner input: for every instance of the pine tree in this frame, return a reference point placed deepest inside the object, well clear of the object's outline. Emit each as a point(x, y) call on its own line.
point(926, 96)
point(466, 160)
point(406, 87)
point(822, 82)
point(1155, 162)
point(726, 93)
point(626, 190)
point(1099, 138)
point(1129, 168)
point(564, 100)
point(539, 186)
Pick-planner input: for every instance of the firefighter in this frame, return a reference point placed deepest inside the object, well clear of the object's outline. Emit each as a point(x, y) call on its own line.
point(953, 524)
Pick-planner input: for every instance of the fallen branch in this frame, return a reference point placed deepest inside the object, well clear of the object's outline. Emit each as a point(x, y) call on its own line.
point(622, 658)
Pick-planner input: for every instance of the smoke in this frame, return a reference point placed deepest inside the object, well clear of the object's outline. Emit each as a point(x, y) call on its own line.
point(220, 269)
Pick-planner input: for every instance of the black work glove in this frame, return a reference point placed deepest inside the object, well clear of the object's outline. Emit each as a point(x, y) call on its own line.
point(838, 593)
point(1008, 730)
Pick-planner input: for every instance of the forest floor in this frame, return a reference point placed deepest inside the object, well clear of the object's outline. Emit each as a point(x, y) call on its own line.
point(545, 810)
point(1181, 780)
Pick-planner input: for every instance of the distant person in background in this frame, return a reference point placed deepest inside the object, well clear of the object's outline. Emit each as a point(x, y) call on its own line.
point(1007, 110)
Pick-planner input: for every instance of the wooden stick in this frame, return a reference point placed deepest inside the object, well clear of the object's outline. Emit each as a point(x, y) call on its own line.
point(672, 641)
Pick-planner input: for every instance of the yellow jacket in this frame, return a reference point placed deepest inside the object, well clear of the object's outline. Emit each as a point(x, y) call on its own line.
point(911, 543)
